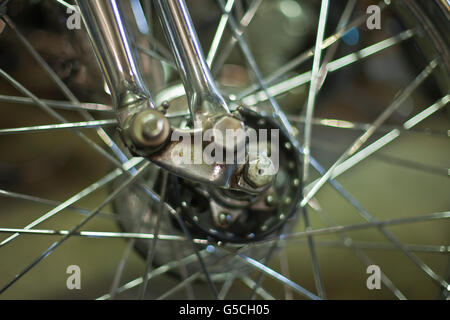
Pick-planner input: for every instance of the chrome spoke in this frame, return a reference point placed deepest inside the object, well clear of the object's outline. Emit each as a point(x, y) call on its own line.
point(277, 276)
point(284, 265)
point(152, 246)
point(278, 113)
point(193, 277)
point(352, 125)
point(58, 117)
point(179, 286)
point(374, 246)
point(203, 267)
point(98, 234)
point(260, 279)
point(388, 138)
point(85, 192)
point(64, 105)
point(311, 103)
point(359, 253)
point(284, 86)
point(219, 33)
point(65, 90)
point(325, 145)
point(315, 262)
point(52, 203)
point(138, 223)
point(63, 126)
point(368, 217)
point(405, 163)
point(307, 135)
point(343, 20)
point(67, 5)
point(256, 288)
point(360, 226)
point(227, 286)
point(400, 98)
point(178, 255)
point(121, 268)
point(220, 60)
point(157, 56)
point(55, 245)
point(153, 274)
point(300, 59)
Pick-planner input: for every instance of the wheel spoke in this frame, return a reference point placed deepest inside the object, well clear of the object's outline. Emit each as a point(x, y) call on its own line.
point(220, 60)
point(343, 20)
point(65, 90)
point(65, 105)
point(193, 277)
point(219, 33)
point(121, 268)
point(55, 245)
point(358, 252)
point(52, 203)
point(256, 288)
point(315, 262)
point(252, 63)
point(188, 235)
point(154, 273)
point(311, 103)
point(277, 276)
point(178, 255)
point(360, 226)
point(398, 101)
point(260, 279)
point(251, 98)
point(179, 286)
point(310, 53)
point(284, 265)
point(152, 246)
point(352, 125)
point(310, 106)
point(63, 126)
point(153, 54)
point(227, 286)
point(85, 192)
point(58, 117)
point(368, 217)
point(98, 234)
point(326, 146)
point(374, 246)
point(388, 138)
point(67, 5)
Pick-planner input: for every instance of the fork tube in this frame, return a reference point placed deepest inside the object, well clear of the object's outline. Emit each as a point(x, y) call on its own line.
point(112, 46)
point(203, 96)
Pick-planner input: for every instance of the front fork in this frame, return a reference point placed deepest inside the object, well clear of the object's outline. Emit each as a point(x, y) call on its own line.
point(117, 56)
point(145, 130)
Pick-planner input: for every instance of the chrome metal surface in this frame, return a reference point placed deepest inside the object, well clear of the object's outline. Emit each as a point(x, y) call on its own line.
point(115, 53)
point(203, 96)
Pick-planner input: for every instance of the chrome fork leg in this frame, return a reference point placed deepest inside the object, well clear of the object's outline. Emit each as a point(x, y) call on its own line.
point(203, 96)
point(116, 55)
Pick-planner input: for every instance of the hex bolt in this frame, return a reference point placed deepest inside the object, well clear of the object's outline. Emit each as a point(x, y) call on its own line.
point(232, 125)
point(260, 172)
point(150, 128)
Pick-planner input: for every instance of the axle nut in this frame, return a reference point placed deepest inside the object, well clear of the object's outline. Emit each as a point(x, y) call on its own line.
point(229, 133)
point(150, 128)
point(260, 172)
